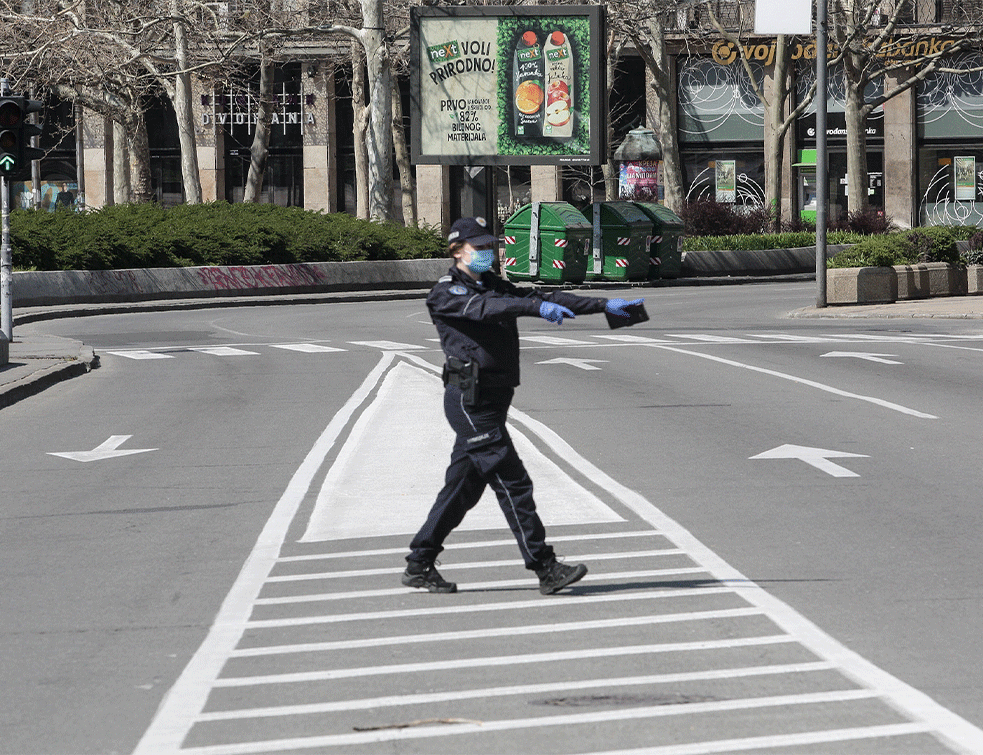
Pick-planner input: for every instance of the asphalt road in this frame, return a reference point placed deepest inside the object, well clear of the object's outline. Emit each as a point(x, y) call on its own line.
point(780, 516)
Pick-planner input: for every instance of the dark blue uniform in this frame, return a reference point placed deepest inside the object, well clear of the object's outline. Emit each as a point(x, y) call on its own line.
point(476, 321)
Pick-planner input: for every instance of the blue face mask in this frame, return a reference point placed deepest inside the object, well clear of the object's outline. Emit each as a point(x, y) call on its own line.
point(481, 260)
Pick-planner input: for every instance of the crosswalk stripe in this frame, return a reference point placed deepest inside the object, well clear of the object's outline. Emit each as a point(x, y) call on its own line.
point(477, 544)
point(388, 345)
point(581, 718)
point(520, 689)
point(307, 348)
point(476, 634)
point(470, 565)
point(140, 354)
point(538, 604)
point(502, 660)
point(223, 351)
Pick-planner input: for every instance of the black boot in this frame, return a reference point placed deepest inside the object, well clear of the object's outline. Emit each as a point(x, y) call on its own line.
point(425, 574)
point(555, 576)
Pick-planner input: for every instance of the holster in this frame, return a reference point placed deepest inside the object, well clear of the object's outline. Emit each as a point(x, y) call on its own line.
point(465, 375)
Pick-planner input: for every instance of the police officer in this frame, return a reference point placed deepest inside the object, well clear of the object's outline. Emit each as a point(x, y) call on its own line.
point(475, 313)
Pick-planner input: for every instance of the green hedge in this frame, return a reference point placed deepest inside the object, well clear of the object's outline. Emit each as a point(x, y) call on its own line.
point(930, 244)
point(763, 241)
point(218, 233)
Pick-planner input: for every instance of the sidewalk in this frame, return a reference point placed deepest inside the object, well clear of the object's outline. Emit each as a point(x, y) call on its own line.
point(39, 361)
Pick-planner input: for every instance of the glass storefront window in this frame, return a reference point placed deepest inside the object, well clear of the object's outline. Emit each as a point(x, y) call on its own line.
point(717, 102)
point(947, 176)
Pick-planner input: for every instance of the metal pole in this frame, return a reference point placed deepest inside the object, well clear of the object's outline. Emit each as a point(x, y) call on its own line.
point(6, 266)
point(822, 164)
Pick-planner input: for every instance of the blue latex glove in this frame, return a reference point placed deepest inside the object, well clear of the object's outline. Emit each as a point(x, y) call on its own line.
point(554, 312)
point(617, 306)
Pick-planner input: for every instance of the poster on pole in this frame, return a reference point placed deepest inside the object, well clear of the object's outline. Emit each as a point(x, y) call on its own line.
point(507, 85)
point(964, 175)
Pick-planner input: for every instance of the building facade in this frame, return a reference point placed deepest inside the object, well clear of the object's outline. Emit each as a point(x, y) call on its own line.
point(924, 145)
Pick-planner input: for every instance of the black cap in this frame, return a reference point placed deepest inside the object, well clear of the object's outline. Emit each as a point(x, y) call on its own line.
point(472, 230)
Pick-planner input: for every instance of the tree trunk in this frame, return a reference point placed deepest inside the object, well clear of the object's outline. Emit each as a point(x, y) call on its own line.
point(260, 148)
point(665, 127)
point(610, 169)
point(141, 186)
point(361, 120)
point(775, 130)
point(121, 164)
point(407, 184)
point(856, 140)
point(185, 114)
point(379, 133)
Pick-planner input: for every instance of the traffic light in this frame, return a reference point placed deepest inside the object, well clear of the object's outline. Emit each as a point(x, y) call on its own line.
point(16, 151)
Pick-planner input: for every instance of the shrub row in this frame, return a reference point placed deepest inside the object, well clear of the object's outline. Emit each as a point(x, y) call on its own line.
point(218, 233)
point(761, 241)
point(930, 244)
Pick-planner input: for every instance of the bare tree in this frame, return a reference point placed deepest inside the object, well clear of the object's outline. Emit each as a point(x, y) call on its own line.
point(888, 55)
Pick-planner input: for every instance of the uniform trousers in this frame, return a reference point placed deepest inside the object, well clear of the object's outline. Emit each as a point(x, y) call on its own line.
point(483, 454)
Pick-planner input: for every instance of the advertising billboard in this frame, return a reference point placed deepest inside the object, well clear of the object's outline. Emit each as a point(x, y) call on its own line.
point(519, 85)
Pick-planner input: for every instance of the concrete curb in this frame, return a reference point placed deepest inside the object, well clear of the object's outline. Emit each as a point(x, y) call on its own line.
point(44, 377)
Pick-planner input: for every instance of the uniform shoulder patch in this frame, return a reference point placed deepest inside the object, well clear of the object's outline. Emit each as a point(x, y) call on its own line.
point(458, 290)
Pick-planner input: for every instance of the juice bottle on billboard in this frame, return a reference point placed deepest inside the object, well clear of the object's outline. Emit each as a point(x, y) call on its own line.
point(528, 73)
point(559, 86)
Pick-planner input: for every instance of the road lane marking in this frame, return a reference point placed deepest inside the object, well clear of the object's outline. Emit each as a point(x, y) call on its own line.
point(519, 584)
point(583, 364)
point(510, 659)
point(484, 727)
point(521, 689)
point(140, 354)
point(108, 449)
point(388, 345)
point(477, 634)
point(536, 604)
point(187, 698)
point(556, 341)
point(801, 381)
point(395, 570)
point(863, 355)
point(779, 740)
point(947, 726)
point(387, 463)
point(307, 348)
point(184, 704)
point(477, 544)
point(222, 351)
point(815, 457)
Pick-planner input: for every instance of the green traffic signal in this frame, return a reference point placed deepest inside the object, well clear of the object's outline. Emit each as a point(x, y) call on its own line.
point(16, 152)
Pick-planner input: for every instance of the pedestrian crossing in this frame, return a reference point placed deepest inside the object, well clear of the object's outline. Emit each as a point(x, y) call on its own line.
point(662, 648)
point(584, 340)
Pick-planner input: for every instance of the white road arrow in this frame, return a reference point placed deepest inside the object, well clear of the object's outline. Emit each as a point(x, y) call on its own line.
point(816, 457)
point(106, 450)
point(584, 364)
point(864, 355)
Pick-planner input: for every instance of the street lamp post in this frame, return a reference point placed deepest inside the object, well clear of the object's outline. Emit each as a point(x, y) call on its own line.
point(822, 163)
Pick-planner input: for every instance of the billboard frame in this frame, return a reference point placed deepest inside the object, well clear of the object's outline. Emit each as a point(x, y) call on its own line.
point(593, 144)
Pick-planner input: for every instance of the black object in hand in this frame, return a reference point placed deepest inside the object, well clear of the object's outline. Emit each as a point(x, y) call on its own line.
point(636, 314)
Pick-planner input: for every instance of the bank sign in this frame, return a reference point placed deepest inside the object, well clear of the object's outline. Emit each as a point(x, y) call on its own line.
point(507, 85)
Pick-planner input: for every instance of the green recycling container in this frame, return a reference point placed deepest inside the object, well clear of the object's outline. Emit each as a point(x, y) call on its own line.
point(666, 242)
point(619, 247)
point(547, 241)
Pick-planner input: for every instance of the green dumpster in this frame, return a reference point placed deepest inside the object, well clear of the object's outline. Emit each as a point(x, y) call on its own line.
point(619, 247)
point(666, 242)
point(547, 241)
